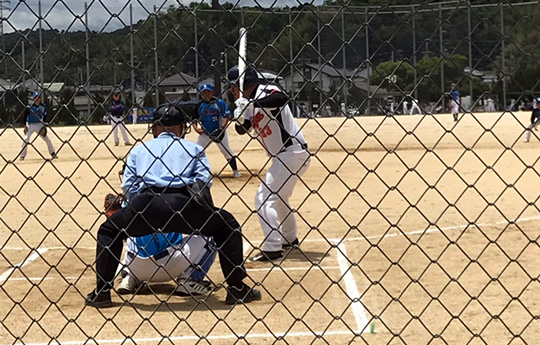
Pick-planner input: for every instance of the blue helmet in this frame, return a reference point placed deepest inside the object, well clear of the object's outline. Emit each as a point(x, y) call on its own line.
point(206, 87)
point(36, 95)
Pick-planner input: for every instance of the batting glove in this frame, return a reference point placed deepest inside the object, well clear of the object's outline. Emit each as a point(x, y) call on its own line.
point(244, 109)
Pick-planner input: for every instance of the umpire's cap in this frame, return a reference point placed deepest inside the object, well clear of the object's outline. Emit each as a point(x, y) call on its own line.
point(250, 76)
point(169, 115)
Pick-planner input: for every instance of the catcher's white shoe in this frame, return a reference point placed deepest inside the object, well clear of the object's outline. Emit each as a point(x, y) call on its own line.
point(128, 285)
point(188, 287)
point(237, 174)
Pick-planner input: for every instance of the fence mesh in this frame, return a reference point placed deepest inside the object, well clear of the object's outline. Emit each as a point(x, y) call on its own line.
point(415, 226)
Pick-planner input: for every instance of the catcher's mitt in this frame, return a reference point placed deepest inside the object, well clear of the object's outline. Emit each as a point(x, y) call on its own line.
point(113, 203)
point(43, 131)
point(217, 135)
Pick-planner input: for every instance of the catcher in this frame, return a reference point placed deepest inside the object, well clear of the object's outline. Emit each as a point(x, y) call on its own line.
point(211, 126)
point(162, 257)
point(36, 115)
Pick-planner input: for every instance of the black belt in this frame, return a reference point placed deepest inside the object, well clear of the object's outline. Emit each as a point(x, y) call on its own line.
point(156, 257)
point(304, 146)
point(164, 190)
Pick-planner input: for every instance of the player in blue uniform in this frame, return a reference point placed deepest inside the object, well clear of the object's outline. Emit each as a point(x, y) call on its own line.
point(535, 120)
point(36, 117)
point(214, 115)
point(455, 101)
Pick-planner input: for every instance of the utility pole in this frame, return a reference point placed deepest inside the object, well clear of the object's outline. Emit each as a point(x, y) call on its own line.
point(216, 48)
point(4, 7)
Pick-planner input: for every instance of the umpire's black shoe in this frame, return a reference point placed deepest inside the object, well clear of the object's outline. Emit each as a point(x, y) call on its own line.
point(293, 244)
point(99, 300)
point(242, 295)
point(265, 256)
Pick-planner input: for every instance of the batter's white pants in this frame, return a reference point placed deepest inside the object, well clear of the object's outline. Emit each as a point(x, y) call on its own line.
point(35, 128)
point(172, 266)
point(116, 123)
point(276, 217)
point(224, 147)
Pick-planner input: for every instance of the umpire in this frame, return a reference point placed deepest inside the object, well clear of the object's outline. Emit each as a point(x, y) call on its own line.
point(167, 181)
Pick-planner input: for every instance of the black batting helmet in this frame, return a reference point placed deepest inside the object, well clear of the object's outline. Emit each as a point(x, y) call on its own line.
point(250, 76)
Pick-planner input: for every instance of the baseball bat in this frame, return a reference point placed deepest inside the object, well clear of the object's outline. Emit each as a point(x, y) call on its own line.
point(242, 58)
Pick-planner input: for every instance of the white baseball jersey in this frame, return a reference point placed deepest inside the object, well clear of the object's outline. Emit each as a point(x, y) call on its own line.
point(275, 127)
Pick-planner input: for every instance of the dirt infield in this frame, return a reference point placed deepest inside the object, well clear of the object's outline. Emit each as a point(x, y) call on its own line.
point(413, 229)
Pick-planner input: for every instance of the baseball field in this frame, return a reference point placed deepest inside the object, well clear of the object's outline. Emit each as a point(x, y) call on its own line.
point(413, 230)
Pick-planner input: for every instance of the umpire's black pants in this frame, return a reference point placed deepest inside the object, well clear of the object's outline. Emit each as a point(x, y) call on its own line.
point(149, 212)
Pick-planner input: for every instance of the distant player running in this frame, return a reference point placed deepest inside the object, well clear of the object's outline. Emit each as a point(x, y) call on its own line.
point(535, 120)
point(455, 102)
point(265, 109)
point(36, 117)
point(214, 116)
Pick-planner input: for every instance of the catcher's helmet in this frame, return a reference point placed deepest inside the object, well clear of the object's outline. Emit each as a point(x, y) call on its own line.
point(250, 76)
point(169, 115)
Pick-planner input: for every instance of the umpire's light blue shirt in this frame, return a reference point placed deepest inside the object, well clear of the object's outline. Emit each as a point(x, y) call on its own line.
point(166, 161)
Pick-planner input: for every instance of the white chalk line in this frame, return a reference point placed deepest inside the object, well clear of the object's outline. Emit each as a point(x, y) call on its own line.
point(348, 239)
point(275, 335)
point(4, 276)
point(358, 309)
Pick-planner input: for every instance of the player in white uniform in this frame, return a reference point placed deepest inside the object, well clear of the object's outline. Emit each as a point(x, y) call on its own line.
point(415, 107)
point(264, 109)
point(405, 107)
point(118, 110)
point(163, 257)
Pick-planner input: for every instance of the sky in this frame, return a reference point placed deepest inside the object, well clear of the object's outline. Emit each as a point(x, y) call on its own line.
point(103, 15)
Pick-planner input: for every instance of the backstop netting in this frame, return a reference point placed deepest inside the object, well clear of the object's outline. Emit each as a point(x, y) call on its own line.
point(416, 225)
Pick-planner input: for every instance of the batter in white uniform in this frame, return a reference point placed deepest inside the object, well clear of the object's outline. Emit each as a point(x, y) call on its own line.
point(264, 109)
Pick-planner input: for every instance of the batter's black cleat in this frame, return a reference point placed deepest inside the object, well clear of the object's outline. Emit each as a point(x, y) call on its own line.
point(264, 256)
point(291, 245)
point(99, 300)
point(242, 295)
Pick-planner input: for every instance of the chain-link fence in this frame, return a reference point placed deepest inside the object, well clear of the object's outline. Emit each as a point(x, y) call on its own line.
point(417, 221)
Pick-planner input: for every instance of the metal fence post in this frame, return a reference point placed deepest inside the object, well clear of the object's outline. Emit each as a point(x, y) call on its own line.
point(414, 52)
point(503, 56)
point(87, 53)
point(344, 58)
point(156, 66)
point(40, 47)
point(131, 55)
point(441, 47)
point(469, 36)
